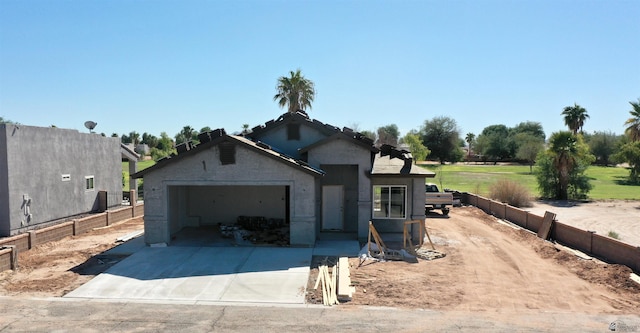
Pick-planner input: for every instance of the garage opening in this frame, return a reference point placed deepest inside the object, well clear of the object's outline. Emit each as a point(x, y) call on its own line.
point(229, 215)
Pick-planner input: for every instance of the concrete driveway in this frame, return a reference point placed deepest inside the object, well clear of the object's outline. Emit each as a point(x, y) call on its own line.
point(212, 274)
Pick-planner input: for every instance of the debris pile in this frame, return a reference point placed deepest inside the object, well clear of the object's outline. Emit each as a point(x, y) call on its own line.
point(257, 230)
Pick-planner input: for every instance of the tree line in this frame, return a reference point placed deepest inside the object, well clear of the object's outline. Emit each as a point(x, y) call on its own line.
point(561, 161)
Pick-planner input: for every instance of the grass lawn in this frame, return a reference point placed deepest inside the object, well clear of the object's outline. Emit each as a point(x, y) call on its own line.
point(125, 171)
point(608, 182)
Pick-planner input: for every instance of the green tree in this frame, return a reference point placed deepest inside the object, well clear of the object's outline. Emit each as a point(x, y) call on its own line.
point(369, 134)
point(630, 153)
point(469, 139)
point(388, 135)
point(134, 138)
point(245, 129)
point(574, 117)
point(496, 143)
point(633, 123)
point(602, 145)
point(441, 136)
point(295, 91)
point(149, 140)
point(7, 121)
point(186, 134)
point(561, 168)
point(164, 148)
point(530, 127)
point(529, 146)
point(418, 150)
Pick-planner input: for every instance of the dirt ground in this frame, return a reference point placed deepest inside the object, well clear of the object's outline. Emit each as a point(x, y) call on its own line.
point(56, 268)
point(490, 266)
point(617, 216)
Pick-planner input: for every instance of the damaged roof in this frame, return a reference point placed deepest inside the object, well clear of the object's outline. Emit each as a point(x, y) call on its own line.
point(397, 162)
point(301, 117)
point(215, 137)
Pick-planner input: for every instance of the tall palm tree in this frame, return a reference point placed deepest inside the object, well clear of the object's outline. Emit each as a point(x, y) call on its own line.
point(296, 91)
point(574, 117)
point(564, 147)
point(469, 139)
point(633, 123)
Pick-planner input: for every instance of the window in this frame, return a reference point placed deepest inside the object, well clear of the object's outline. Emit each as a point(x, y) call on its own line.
point(88, 181)
point(389, 201)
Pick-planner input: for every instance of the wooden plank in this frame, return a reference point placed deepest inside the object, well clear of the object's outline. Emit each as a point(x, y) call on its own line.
point(547, 224)
point(345, 291)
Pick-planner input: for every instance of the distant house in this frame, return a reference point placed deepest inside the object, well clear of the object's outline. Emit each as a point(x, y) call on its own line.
point(47, 174)
point(317, 177)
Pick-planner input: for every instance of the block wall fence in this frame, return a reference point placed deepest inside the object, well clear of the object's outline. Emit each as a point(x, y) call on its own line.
point(606, 248)
point(10, 246)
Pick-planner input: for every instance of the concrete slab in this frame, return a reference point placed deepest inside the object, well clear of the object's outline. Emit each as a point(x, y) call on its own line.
point(127, 248)
point(213, 274)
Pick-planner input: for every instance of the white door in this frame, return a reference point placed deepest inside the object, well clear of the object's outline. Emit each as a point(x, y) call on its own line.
point(332, 207)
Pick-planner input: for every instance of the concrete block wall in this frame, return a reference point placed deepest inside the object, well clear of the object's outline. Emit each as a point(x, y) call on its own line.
point(89, 223)
point(53, 233)
point(5, 259)
point(26, 241)
point(21, 242)
point(606, 248)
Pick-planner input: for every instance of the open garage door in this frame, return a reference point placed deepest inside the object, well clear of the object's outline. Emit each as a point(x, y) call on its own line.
point(229, 215)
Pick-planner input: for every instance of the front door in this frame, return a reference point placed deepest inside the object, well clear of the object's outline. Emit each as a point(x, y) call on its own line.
point(332, 207)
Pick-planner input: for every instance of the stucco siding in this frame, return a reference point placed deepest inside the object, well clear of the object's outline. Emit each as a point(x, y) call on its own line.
point(47, 168)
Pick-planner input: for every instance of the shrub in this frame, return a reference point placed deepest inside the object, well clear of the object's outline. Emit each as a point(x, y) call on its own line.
point(510, 192)
point(613, 235)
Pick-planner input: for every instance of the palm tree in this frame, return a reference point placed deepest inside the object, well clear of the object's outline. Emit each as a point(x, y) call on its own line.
point(564, 147)
point(469, 139)
point(574, 117)
point(296, 91)
point(633, 123)
point(135, 138)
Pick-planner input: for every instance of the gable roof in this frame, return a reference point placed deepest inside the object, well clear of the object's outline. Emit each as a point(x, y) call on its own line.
point(218, 136)
point(128, 153)
point(300, 117)
point(347, 134)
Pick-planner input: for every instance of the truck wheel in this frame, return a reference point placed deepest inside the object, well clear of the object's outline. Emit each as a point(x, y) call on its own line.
point(445, 211)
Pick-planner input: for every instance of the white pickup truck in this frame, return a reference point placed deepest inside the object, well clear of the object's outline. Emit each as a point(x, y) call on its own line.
point(434, 199)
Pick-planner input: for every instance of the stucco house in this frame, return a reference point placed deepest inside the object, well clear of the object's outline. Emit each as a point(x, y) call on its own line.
point(49, 173)
point(318, 178)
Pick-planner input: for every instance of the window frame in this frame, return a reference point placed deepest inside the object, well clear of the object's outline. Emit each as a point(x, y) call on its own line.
point(89, 183)
point(377, 208)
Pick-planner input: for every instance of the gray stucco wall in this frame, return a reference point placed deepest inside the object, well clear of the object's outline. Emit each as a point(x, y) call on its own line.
point(414, 200)
point(4, 184)
point(204, 169)
point(48, 166)
point(346, 152)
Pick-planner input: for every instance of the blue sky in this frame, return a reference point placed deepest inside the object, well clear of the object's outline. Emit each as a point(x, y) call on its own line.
point(156, 66)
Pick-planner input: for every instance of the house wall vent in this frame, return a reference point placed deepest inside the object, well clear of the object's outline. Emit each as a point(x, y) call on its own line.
point(227, 153)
